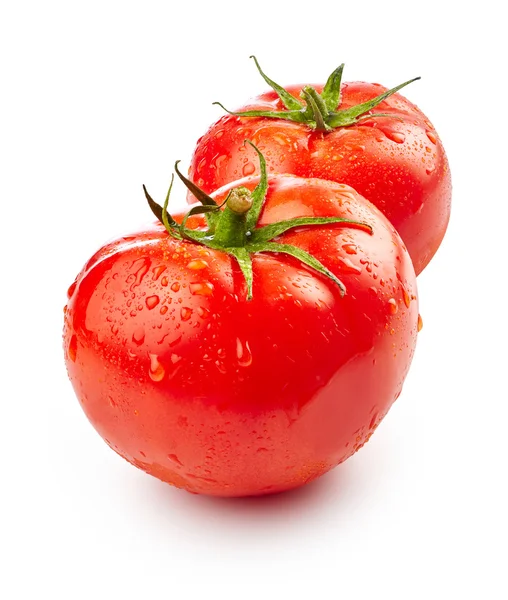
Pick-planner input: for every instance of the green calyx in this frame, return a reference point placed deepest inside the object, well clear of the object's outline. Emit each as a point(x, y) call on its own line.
point(319, 111)
point(232, 227)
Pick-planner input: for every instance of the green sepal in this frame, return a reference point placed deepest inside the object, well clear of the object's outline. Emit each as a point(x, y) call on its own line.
point(331, 91)
point(194, 189)
point(210, 216)
point(172, 227)
point(154, 206)
point(289, 101)
point(372, 115)
point(302, 256)
point(244, 260)
point(269, 232)
point(321, 111)
point(259, 192)
point(343, 118)
point(297, 116)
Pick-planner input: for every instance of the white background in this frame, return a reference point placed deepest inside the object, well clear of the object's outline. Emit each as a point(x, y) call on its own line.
point(99, 97)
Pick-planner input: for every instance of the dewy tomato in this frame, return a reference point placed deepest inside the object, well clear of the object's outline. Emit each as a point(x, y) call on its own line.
point(360, 134)
point(252, 348)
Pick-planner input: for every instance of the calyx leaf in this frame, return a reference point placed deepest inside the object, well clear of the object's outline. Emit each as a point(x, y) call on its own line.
point(320, 112)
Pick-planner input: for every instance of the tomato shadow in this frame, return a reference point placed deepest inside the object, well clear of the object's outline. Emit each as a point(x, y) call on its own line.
point(303, 496)
point(330, 495)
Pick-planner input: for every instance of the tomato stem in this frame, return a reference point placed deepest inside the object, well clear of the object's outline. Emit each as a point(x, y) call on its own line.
point(239, 200)
point(231, 229)
point(317, 106)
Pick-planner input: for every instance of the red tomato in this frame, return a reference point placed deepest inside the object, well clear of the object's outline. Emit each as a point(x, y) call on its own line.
point(396, 161)
point(190, 380)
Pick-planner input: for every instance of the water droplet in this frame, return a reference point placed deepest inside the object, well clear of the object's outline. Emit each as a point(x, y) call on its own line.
point(393, 306)
point(112, 402)
point(261, 450)
point(175, 341)
point(72, 289)
point(218, 163)
point(203, 312)
point(141, 267)
point(392, 331)
point(73, 348)
point(248, 169)
point(138, 337)
point(174, 458)
point(432, 136)
point(349, 248)
point(185, 313)
point(164, 281)
point(152, 301)
point(405, 295)
point(396, 136)
point(161, 341)
point(430, 170)
point(196, 264)
point(348, 267)
point(175, 286)
point(157, 271)
point(156, 370)
point(201, 288)
point(420, 322)
point(114, 329)
point(220, 366)
point(243, 353)
point(164, 310)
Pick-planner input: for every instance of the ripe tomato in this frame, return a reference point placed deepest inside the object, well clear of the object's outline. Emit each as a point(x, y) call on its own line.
point(235, 373)
point(396, 159)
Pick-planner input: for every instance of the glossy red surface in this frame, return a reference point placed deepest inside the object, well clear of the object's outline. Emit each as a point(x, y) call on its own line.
point(189, 381)
point(397, 162)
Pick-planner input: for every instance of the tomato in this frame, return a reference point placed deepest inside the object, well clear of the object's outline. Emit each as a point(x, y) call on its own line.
point(396, 159)
point(228, 364)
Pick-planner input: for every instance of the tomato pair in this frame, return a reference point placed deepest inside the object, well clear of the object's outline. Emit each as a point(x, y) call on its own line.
point(257, 341)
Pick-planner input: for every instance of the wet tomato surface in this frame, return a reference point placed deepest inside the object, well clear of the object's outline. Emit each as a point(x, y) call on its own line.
point(190, 380)
point(396, 160)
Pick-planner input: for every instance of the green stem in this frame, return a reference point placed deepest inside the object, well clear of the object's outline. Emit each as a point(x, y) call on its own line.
point(231, 228)
point(317, 106)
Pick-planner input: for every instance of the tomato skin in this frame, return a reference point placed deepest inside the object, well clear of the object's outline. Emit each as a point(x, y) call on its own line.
point(398, 162)
point(189, 381)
